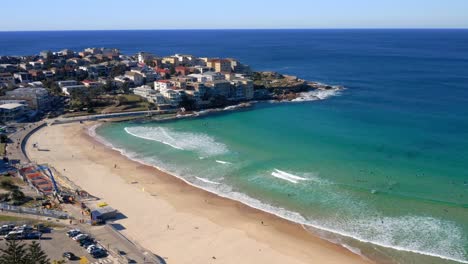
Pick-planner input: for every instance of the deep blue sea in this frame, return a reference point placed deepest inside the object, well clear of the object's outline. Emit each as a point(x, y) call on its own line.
point(381, 167)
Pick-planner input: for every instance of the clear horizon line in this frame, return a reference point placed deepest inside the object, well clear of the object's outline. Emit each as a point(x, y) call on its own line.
point(247, 29)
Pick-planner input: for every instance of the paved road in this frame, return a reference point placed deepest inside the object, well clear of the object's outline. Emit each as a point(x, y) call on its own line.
point(111, 115)
point(16, 140)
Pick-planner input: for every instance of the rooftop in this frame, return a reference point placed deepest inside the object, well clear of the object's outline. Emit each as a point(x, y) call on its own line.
point(11, 106)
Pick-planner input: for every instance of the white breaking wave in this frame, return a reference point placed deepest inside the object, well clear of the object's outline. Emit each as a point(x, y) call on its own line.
point(200, 143)
point(316, 95)
point(287, 176)
point(207, 181)
point(223, 162)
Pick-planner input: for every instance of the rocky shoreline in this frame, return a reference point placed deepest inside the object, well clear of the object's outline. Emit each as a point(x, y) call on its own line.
point(279, 87)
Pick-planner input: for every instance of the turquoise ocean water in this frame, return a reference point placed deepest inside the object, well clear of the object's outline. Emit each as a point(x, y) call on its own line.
point(381, 167)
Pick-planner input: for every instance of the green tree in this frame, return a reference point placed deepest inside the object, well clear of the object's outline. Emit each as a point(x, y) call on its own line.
point(172, 70)
point(15, 253)
point(17, 195)
point(188, 103)
point(36, 255)
point(126, 88)
point(3, 138)
point(122, 100)
point(117, 70)
point(52, 86)
point(108, 87)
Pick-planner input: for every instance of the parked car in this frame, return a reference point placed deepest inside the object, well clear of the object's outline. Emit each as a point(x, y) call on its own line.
point(92, 248)
point(42, 228)
point(5, 229)
point(99, 253)
point(73, 232)
point(25, 228)
point(86, 243)
point(33, 235)
point(69, 255)
point(80, 237)
point(14, 235)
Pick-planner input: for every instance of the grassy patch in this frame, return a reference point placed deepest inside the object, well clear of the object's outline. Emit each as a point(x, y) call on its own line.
point(9, 218)
point(2, 149)
point(7, 184)
point(13, 219)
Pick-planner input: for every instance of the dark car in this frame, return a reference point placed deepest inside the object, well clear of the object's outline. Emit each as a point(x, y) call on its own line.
point(73, 233)
point(33, 235)
point(99, 253)
point(86, 243)
point(69, 255)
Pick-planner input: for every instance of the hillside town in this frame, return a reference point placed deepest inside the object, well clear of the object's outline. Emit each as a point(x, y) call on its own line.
point(102, 80)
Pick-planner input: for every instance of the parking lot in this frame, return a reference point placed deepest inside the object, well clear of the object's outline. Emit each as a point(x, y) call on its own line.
point(57, 242)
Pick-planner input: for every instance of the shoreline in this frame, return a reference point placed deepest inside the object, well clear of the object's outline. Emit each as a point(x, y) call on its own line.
point(303, 97)
point(245, 215)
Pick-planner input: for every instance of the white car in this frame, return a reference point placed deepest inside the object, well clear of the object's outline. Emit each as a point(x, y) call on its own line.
point(91, 248)
point(80, 237)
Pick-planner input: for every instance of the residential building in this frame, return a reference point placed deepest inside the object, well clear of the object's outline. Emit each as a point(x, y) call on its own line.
point(68, 90)
point(219, 87)
point(186, 60)
point(170, 60)
point(193, 94)
point(62, 84)
point(36, 65)
point(173, 97)
point(149, 74)
point(182, 70)
point(144, 57)
point(201, 69)
point(163, 85)
point(66, 53)
point(162, 72)
point(36, 75)
point(48, 74)
point(37, 98)
point(95, 70)
point(91, 84)
point(25, 66)
point(93, 51)
point(36, 84)
point(6, 78)
point(8, 68)
point(219, 65)
point(208, 76)
point(23, 77)
point(144, 91)
point(136, 77)
point(46, 54)
point(121, 80)
point(12, 111)
point(242, 89)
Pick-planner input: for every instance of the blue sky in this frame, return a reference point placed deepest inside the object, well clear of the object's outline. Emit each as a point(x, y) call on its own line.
point(210, 14)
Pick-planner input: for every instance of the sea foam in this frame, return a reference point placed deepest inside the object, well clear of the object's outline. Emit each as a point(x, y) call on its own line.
point(197, 142)
point(223, 162)
point(287, 176)
point(207, 181)
point(317, 95)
